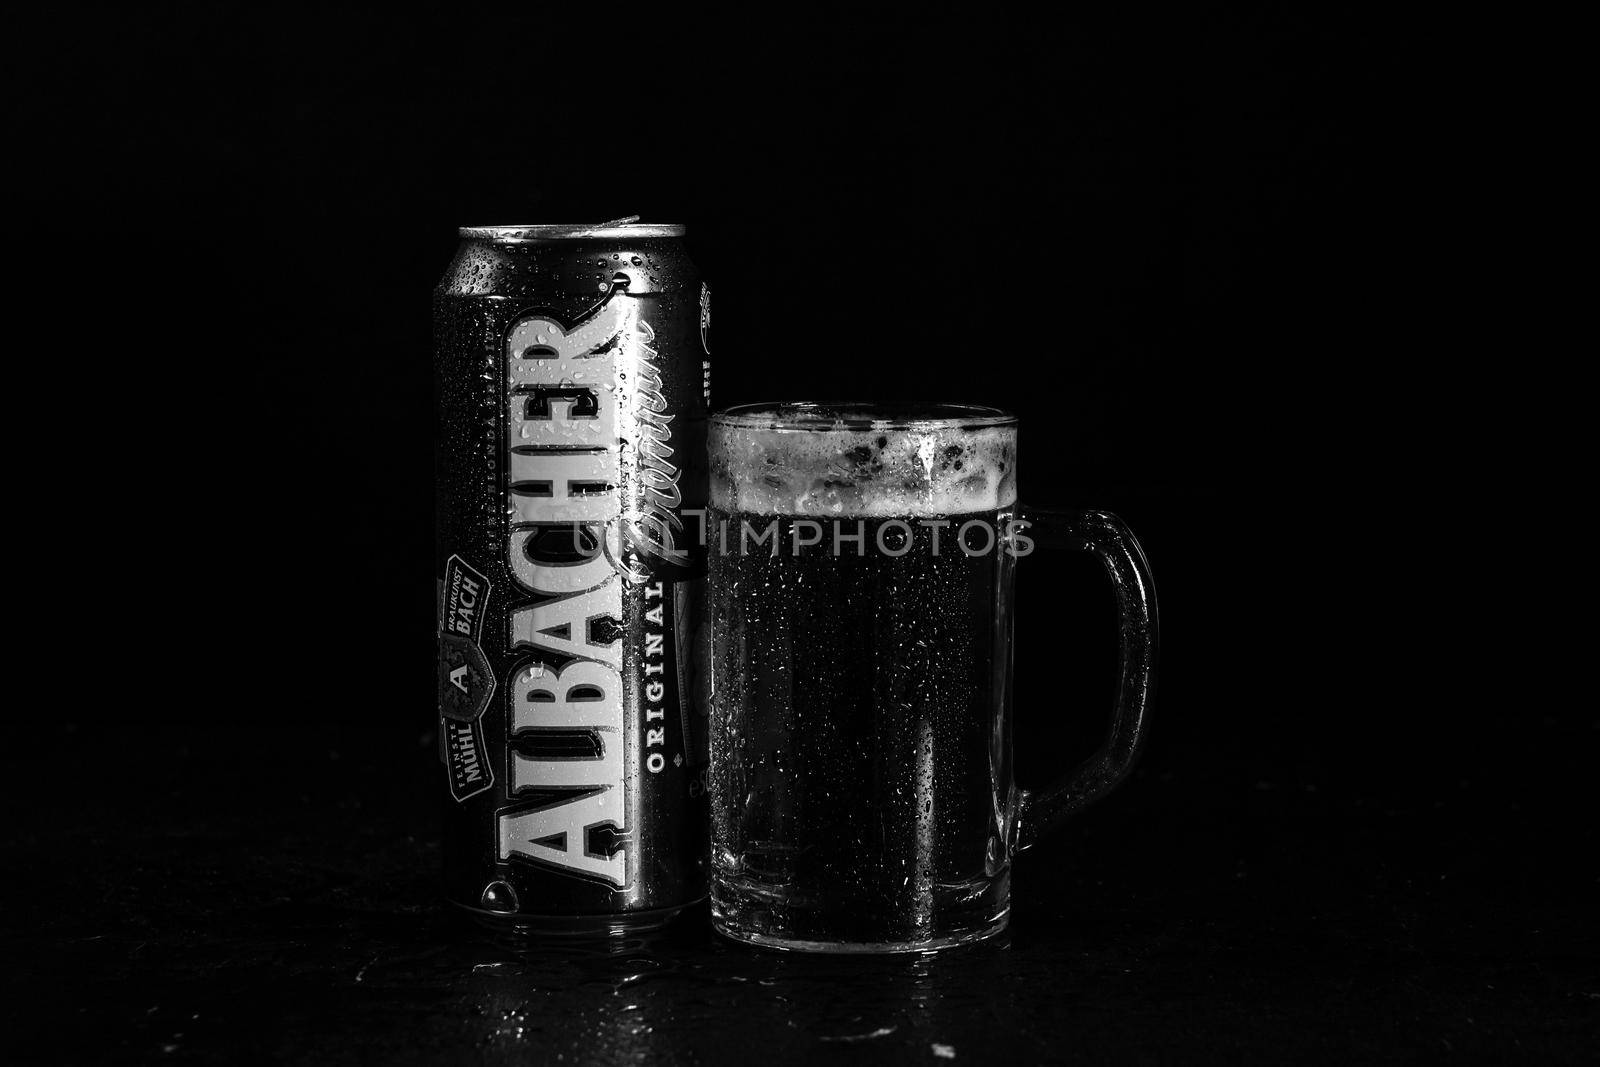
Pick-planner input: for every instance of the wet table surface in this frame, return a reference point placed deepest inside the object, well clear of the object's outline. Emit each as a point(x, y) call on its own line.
point(1271, 923)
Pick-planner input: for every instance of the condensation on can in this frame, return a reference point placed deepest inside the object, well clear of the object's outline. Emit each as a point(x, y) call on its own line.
point(572, 389)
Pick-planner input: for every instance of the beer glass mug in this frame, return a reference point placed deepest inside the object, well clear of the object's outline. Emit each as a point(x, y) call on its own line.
point(862, 560)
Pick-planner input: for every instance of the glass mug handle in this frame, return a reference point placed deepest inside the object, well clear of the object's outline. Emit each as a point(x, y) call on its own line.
point(1109, 538)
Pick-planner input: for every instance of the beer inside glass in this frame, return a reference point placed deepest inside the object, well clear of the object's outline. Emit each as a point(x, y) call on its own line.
point(861, 567)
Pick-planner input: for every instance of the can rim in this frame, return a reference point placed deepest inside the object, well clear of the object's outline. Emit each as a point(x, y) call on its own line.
point(567, 231)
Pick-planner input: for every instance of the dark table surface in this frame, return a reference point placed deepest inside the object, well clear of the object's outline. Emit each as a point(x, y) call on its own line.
point(1199, 916)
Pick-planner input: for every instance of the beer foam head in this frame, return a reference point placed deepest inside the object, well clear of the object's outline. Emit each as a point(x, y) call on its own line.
point(863, 460)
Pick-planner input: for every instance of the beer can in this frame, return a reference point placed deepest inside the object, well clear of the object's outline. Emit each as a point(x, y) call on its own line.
point(572, 385)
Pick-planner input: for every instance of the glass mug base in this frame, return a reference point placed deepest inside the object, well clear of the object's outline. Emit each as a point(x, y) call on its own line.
point(783, 944)
point(949, 915)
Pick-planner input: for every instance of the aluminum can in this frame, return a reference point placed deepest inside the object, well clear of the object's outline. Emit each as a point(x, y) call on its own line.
point(572, 384)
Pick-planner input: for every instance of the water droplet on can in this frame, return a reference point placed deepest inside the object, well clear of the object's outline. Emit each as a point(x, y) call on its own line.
point(498, 896)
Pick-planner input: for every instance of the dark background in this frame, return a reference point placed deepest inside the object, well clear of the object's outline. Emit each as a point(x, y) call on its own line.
point(1181, 250)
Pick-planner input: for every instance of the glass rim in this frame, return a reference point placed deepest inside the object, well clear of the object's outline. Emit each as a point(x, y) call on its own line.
point(529, 233)
point(808, 416)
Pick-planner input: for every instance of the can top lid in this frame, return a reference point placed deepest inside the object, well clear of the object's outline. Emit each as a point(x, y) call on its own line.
point(568, 231)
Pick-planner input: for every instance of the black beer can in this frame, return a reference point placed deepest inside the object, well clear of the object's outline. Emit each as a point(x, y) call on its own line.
point(572, 384)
